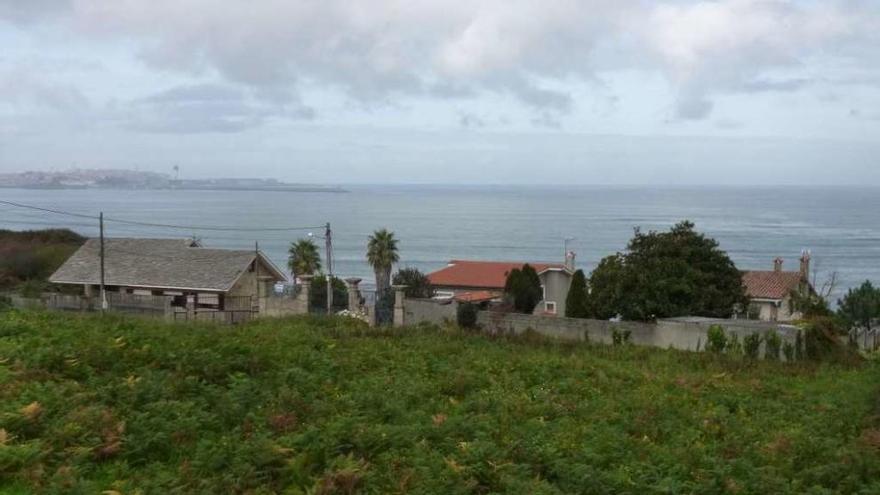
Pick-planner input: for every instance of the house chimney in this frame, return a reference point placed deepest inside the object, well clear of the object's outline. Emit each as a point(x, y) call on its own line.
point(777, 265)
point(569, 261)
point(805, 264)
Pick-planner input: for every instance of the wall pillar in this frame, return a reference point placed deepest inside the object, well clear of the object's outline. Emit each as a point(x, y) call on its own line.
point(399, 305)
point(305, 289)
point(354, 294)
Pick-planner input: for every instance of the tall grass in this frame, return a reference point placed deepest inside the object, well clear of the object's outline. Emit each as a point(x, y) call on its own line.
point(90, 404)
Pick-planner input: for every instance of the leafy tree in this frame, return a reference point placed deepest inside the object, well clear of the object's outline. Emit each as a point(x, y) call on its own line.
point(664, 274)
point(416, 282)
point(860, 307)
point(523, 289)
point(382, 254)
point(318, 294)
point(303, 258)
point(605, 297)
point(576, 303)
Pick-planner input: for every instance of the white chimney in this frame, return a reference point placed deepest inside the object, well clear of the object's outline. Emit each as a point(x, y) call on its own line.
point(569, 261)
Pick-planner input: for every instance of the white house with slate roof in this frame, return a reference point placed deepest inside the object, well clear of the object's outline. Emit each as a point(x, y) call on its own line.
point(195, 276)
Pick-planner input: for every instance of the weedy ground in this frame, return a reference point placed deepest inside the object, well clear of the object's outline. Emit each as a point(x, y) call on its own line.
point(124, 405)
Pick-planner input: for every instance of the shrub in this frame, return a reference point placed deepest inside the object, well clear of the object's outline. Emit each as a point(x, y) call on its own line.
point(620, 337)
point(820, 339)
point(734, 346)
point(788, 351)
point(772, 345)
point(32, 288)
point(466, 315)
point(799, 346)
point(752, 345)
point(716, 340)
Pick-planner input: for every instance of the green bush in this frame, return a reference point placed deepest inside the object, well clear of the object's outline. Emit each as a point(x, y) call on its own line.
point(466, 315)
point(820, 339)
point(716, 339)
point(799, 352)
point(788, 351)
point(772, 345)
point(734, 346)
point(32, 288)
point(752, 345)
point(620, 337)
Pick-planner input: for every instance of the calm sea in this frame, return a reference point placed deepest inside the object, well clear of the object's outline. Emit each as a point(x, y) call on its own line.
point(437, 223)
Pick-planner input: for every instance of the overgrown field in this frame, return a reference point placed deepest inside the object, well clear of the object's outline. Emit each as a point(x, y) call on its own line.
point(325, 406)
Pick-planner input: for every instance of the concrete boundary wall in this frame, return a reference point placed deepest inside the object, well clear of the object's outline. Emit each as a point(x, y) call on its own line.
point(429, 310)
point(675, 334)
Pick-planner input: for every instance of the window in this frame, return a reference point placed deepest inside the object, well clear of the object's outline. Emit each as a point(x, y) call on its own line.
point(550, 307)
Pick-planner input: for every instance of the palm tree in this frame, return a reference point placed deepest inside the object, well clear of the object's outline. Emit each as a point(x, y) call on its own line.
point(381, 254)
point(303, 258)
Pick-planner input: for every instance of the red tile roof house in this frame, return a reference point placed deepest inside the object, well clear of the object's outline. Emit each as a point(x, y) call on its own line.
point(483, 281)
point(770, 291)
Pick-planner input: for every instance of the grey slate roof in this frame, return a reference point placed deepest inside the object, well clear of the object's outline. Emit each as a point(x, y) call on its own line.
point(158, 263)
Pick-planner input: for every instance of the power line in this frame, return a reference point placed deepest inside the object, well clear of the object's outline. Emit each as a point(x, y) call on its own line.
point(214, 228)
point(47, 210)
point(162, 225)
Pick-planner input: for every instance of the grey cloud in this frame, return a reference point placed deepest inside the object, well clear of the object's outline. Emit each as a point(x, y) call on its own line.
point(470, 120)
point(786, 85)
point(381, 51)
point(728, 124)
point(547, 119)
point(204, 108)
point(28, 11)
point(692, 107)
point(24, 89)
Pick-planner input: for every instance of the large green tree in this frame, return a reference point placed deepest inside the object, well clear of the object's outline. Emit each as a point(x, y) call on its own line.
point(605, 287)
point(523, 289)
point(303, 258)
point(576, 303)
point(382, 254)
point(860, 307)
point(416, 282)
point(663, 274)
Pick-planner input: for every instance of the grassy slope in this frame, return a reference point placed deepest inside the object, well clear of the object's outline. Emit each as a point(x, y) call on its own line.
point(90, 405)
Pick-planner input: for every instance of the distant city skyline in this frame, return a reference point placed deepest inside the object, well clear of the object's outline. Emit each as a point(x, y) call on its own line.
point(740, 92)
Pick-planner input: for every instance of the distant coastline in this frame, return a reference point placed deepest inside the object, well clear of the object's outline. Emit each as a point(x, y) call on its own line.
point(137, 180)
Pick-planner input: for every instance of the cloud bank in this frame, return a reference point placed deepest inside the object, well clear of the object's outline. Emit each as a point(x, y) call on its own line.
point(380, 51)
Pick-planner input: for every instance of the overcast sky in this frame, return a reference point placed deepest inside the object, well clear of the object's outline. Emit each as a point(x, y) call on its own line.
point(447, 91)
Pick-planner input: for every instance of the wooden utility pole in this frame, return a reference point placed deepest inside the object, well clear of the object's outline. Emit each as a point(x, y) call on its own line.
point(103, 291)
point(257, 267)
point(328, 245)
